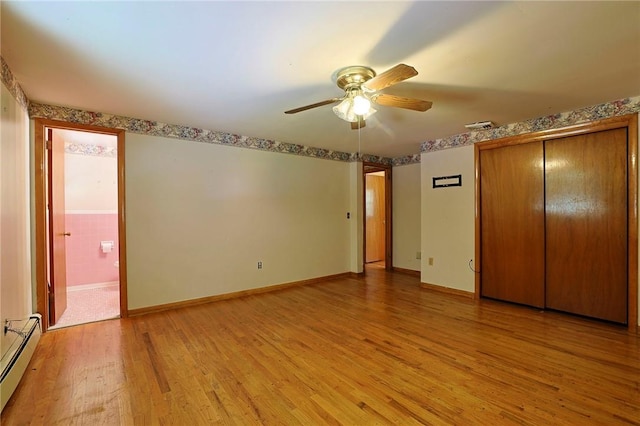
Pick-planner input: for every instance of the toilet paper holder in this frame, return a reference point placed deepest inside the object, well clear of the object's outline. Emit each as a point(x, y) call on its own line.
point(106, 246)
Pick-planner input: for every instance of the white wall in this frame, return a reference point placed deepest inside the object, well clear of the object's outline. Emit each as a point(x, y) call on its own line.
point(406, 216)
point(356, 223)
point(448, 222)
point(15, 248)
point(91, 183)
point(200, 216)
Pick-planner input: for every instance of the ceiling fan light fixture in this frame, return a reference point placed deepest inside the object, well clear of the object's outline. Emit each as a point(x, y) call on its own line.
point(354, 107)
point(342, 109)
point(361, 105)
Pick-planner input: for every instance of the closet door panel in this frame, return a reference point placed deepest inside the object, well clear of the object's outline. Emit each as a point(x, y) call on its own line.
point(586, 224)
point(512, 223)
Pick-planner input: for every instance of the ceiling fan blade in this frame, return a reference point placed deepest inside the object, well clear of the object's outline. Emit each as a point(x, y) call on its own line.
point(401, 102)
point(390, 77)
point(317, 104)
point(358, 124)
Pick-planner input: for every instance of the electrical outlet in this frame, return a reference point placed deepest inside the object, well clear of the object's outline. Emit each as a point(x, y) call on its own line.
point(431, 261)
point(418, 255)
point(259, 265)
point(348, 215)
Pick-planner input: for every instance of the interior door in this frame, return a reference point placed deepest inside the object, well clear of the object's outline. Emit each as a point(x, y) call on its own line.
point(375, 218)
point(512, 223)
point(57, 229)
point(586, 235)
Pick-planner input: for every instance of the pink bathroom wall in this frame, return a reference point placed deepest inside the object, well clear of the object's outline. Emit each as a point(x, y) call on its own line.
point(86, 263)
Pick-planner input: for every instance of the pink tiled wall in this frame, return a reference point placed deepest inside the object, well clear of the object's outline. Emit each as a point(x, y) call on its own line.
point(86, 263)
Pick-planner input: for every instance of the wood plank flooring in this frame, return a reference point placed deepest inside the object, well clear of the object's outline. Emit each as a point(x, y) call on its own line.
point(378, 350)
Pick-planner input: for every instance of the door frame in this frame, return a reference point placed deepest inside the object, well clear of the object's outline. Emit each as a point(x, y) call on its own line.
point(388, 227)
point(40, 211)
point(629, 121)
point(56, 218)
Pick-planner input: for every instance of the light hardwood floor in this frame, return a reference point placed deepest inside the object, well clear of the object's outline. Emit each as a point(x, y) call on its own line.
point(379, 350)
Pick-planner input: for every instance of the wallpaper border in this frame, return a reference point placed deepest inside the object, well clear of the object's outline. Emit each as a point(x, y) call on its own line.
point(90, 150)
point(10, 82)
point(553, 121)
point(155, 128)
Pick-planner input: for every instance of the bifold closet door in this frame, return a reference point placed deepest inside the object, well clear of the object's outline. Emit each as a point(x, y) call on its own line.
point(586, 224)
point(512, 223)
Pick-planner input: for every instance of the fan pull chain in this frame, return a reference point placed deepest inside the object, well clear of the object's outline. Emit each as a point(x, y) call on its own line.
point(359, 153)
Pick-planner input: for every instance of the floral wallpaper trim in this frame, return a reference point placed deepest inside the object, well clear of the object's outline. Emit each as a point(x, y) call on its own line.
point(88, 149)
point(12, 85)
point(154, 128)
point(592, 113)
point(406, 160)
point(368, 158)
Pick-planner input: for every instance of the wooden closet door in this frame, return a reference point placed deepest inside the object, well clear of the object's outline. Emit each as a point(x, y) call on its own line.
point(512, 223)
point(586, 224)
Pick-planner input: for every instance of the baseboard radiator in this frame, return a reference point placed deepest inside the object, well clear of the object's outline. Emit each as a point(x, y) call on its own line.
point(19, 342)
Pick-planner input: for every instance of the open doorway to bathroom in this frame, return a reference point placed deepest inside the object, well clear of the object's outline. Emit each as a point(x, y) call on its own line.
point(89, 177)
point(79, 226)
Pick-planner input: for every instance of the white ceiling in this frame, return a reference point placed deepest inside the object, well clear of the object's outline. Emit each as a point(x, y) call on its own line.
point(237, 66)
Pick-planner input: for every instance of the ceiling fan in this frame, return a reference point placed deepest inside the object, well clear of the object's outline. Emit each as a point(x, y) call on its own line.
point(361, 86)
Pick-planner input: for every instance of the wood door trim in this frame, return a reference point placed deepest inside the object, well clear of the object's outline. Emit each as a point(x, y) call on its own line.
point(40, 250)
point(632, 221)
point(630, 121)
point(56, 215)
point(42, 305)
point(388, 229)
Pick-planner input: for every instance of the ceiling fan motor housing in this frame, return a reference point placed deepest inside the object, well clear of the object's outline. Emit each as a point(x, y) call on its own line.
point(353, 77)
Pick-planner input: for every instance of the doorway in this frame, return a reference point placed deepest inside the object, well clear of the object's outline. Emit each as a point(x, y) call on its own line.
point(80, 250)
point(377, 216)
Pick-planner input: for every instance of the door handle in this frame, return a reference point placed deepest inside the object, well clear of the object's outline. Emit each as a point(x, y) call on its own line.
point(67, 234)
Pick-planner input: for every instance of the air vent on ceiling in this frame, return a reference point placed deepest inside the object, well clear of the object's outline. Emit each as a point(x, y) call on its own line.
point(480, 125)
